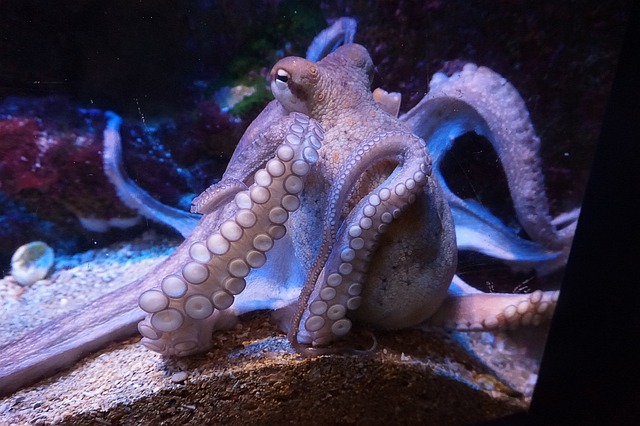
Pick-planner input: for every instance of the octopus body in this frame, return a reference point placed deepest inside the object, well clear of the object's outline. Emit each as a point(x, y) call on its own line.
point(371, 233)
point(332, 208)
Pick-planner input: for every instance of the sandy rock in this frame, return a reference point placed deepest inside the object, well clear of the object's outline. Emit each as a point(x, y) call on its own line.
point(252, 376)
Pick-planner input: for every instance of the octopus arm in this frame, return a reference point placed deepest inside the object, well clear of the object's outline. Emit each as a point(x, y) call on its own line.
point(257, 145)
point(478, 230)
point(131, 194)
point(481, 101)
point(60, 343)
point(217, 195)
point(336, 277)
point(342, 31)
point(494, 311)
point(198, 293)
point(252, 151)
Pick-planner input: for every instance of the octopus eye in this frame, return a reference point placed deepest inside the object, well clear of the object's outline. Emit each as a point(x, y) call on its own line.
point(282, 76)
point(282, 86)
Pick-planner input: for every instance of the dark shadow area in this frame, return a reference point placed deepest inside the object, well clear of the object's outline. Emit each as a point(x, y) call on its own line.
point(589, 369)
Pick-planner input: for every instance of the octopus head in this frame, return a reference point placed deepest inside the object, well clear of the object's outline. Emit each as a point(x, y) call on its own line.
point(308, 87)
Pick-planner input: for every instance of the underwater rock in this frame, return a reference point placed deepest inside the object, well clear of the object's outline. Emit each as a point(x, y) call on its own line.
point(251, 376)
point(32, 262)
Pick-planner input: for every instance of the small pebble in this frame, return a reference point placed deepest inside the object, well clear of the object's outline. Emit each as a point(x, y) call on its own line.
point(179, 377)
point(32, 262)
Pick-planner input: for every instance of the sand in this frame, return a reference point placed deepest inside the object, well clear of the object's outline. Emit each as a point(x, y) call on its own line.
point(251, 376)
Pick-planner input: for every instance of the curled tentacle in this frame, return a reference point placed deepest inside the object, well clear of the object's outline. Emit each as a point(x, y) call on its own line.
point(335, 280)
point(188, 303)
point(342, 31)
point(479, 100)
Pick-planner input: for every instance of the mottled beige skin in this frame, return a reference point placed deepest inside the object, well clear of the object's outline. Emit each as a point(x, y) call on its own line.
point(411, 271)
point(336, 91)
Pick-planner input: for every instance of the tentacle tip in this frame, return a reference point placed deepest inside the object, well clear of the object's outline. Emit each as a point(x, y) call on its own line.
point(307, 351)
point(113, 120)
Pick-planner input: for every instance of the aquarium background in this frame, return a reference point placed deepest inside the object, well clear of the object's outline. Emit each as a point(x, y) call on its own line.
point(168, 70)
point(160, 65)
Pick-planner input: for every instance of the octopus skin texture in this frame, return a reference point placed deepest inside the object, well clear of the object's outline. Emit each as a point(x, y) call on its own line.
point(333, 208)
point(364, 178)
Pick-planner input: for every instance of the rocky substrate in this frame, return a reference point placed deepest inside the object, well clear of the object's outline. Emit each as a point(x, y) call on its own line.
point(251, 376)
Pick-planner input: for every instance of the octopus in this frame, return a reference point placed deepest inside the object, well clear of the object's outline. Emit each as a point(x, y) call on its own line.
point(333, 211)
